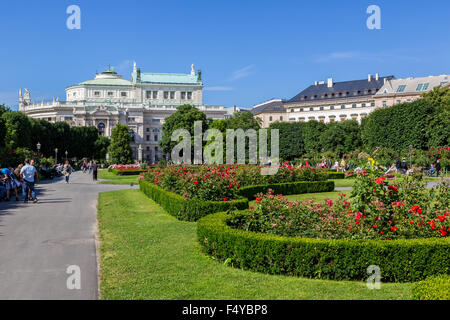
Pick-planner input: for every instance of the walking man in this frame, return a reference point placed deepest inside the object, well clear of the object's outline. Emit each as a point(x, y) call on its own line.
point(30, 177)
point(67, 170)
point(10, 182)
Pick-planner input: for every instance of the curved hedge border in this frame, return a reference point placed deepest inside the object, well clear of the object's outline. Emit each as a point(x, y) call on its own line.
point(399, 260)
point(288, 188)
point(433, 288)
point(187, 210)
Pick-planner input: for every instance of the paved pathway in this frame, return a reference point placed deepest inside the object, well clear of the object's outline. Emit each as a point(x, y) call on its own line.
point(38, 242)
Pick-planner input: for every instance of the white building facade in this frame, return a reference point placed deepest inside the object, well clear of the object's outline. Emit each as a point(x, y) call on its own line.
point(142, 104)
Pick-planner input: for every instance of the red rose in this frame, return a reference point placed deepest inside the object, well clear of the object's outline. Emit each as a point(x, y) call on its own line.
point(225, 199)
point(394, 229)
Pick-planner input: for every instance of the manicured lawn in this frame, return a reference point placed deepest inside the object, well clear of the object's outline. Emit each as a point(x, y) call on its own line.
point(114, 179)
point(343, 182)
point(148, 254)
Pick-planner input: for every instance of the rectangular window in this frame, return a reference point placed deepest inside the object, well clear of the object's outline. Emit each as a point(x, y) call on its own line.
point(172, 95)
point(97, 93)
point(148, 94)
point(354, 106)
point(444, 83)
point(155, 137)
point(321, 108)
point(425, 87)
point(363, 105)
point(110, 94)
point(183, 95)
point(156, 120)
point(189, 95)
point(166, 95)
point(384, 103)
point(123, 94)
point(343, 107)
point(419, 87)
point(148, 138)
point(311, 109)
point(401, 88)
point(155, 94)
point(332, 108)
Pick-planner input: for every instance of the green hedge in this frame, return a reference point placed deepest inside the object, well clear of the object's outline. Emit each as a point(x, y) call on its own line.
point(187, 210)
point(433, 288)
point(288, 188)
point(336, 175)
point(127, 172)
point(399, 260)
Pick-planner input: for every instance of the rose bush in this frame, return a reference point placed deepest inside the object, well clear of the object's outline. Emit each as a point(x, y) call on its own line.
point(222, 183)
point(375, 210)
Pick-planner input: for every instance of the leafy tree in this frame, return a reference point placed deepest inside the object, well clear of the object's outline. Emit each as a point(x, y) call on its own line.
point(3, 109)
point(184, 118)
point(83, 141)
point(311, 136)
point(120, 149)
point(292, 145)
point(341, 137)
point(101, 147)
point(18, 130)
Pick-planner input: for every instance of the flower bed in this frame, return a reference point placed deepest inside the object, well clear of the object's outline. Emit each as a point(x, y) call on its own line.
point(218, 183)
point(132, 172)
point(403, 229)
point(345, 259)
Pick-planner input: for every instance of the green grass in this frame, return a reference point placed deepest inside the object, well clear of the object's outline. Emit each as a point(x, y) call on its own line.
point(115, 179)
point(338, 183)
point(148, 254)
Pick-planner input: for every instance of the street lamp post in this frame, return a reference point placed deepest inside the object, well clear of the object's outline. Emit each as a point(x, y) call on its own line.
point(38, 146)
point(56, 156)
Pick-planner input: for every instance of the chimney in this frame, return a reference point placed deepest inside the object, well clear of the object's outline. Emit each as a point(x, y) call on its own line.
point(370, 77)
point(377, 76)
point(330, 82)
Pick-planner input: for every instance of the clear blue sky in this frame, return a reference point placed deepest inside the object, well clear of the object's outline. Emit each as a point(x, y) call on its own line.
point(249, 51)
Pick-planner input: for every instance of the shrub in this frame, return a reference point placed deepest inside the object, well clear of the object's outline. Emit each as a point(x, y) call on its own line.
point(432, 288)
point(288, 188)
point(187, 210)
point(336, 175)
point(399, 260)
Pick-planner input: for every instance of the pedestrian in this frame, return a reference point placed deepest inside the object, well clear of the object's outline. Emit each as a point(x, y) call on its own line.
point(404, 166)
point(438, 167)
point(94, 170)
point(10, 182)
point(2, 190)
point(67, 170)
point(30, 176)
point(398, 165)
point(90, 167)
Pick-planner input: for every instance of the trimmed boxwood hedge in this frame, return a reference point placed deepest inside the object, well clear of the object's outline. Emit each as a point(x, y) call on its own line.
point(127, 172)
point(399, 260)
point(336, 175)
point(433, 288)
point(187, 210)
point(288, 188)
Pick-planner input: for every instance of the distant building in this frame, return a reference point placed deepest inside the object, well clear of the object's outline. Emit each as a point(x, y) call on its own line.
point(270, 111)
point(335, 101)
point(396, 91)
point(143, 103)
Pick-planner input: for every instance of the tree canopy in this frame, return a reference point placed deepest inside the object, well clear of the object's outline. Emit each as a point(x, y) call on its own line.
point(120, 150)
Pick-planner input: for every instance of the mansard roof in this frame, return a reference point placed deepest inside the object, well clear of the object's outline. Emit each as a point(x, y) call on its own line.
point(345, 89)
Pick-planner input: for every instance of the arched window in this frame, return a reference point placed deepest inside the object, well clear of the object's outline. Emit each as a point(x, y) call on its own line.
point(101, 128)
